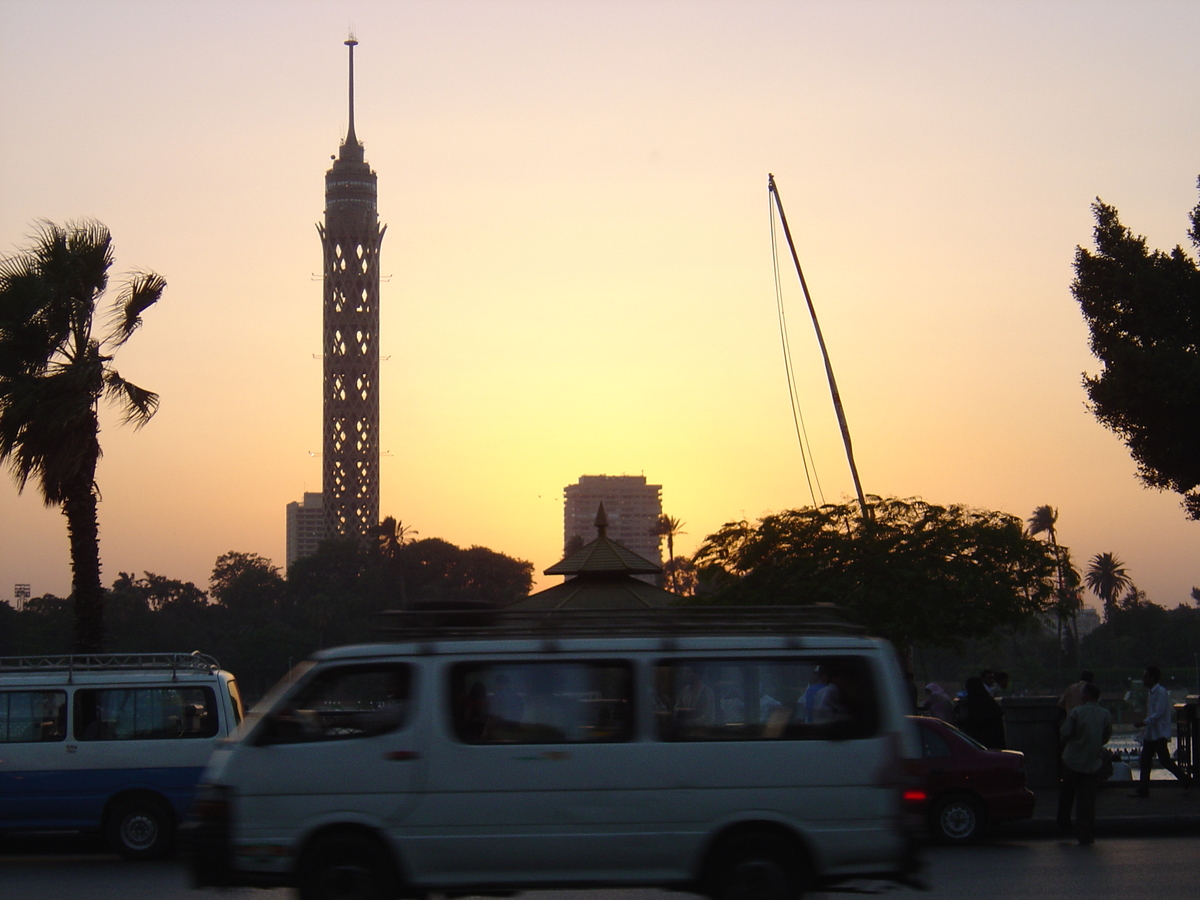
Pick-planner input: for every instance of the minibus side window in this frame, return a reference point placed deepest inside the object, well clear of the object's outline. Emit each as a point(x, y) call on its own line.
point(343, 702)
point(561, 702)
point(145, 714)
point(32, 716)
point(765, 699)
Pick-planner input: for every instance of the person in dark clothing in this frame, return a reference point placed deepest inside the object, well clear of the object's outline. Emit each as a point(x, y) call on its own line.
point(980, 715)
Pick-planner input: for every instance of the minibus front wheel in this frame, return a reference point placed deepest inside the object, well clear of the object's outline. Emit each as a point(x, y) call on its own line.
point(346, 864)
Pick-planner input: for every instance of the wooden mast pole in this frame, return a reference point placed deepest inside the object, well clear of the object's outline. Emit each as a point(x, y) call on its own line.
point(833, 389)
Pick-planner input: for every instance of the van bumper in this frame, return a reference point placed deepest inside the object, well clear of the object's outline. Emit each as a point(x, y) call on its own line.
point(205, 839)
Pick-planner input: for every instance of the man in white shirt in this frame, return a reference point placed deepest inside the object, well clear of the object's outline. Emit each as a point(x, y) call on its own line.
point(1158, 733)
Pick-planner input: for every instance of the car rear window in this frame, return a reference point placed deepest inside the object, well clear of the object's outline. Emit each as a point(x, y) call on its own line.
point(932, 744)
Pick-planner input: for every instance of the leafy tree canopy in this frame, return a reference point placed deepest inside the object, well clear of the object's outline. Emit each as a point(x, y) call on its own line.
point(246, 581)
point(918, 572)
point(1143, 309)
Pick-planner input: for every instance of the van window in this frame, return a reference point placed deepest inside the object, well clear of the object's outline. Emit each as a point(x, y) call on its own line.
point(542, 702)
point(28, 716)
point(343, 702)
point(140, 714)
point(765, 699)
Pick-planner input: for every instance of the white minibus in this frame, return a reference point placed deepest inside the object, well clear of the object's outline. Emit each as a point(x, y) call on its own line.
point(111, 742)
point(735, 753)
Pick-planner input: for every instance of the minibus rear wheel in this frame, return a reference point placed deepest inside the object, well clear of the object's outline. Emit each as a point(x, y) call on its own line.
point(141, 828)
point(756, 865)
point(346, 865)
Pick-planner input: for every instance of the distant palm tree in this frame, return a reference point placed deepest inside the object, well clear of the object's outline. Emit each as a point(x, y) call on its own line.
point(1044, 519)
point(53, 371)
point(1106, 577)
point(393, 535)
point(670, 528)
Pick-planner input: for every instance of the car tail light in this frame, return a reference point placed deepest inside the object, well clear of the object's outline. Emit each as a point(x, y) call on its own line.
point(915, 797)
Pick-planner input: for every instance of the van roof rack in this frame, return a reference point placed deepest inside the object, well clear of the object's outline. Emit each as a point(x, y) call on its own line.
point(111, 662)
point(812, 619)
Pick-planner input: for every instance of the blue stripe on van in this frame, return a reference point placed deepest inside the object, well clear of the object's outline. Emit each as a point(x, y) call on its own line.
point(66, 798)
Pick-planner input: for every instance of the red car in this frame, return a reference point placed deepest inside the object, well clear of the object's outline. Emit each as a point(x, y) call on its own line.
point(967, 786)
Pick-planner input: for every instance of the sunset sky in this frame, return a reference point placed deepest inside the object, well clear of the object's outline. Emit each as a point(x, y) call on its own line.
point(578, 274)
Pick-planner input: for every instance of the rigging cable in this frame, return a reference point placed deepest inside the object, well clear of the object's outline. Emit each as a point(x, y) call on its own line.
point(797, 415)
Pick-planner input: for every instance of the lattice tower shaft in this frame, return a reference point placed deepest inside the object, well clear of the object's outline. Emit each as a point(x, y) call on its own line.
point(351, 237)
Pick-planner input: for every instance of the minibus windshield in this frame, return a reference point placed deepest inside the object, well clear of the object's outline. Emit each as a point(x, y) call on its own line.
point(271, 699)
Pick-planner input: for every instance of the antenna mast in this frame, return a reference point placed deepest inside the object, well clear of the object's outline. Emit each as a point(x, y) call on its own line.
point(350, 136)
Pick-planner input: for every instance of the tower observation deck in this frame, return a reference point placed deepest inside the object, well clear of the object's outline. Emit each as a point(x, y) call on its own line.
point(350, 238)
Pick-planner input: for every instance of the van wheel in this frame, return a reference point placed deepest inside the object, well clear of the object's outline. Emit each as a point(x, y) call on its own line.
point(957, 819)
point(347, 866)
point(756, 866)
point(141, 829)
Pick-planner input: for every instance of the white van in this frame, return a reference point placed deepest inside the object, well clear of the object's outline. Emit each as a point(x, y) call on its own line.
point(112, 742)
point(675, 750)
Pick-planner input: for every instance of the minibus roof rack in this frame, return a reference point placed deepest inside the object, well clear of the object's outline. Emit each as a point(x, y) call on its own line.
point(111, 662)
point(784, 621)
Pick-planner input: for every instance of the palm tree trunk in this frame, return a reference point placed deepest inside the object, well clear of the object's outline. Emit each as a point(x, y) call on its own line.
point(83, 530)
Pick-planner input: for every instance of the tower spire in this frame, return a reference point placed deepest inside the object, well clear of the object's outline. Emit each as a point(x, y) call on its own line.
point(351, 138)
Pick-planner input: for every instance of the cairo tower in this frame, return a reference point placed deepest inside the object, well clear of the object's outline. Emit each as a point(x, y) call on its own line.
point(350, 237)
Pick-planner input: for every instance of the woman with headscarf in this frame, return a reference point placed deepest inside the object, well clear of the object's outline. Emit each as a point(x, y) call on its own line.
point(980, 716)
point(938, 703)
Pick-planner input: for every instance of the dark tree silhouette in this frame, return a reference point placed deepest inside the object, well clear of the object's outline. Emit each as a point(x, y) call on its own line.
point(54, 369)
point(1143, 309)
point(917, 572)
point(1106, 577)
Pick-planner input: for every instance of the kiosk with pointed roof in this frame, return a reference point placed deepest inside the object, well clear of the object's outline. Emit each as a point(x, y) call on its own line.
point(600, 575)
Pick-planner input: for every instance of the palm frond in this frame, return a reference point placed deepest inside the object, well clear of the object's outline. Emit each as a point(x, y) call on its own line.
point(142, 291)
point(138, 405)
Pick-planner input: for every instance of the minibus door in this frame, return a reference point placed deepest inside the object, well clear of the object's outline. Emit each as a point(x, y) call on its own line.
point(344, 742)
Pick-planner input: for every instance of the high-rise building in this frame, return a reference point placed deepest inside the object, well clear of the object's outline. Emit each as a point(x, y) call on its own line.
point(305, 527)
point(351, 237)
point(633, 508)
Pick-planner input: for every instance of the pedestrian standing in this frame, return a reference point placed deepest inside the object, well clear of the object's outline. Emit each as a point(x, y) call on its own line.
point(980, 715)
point(1085, 731)
point(938, 703)
point(1157, 736)
point(1073, 695)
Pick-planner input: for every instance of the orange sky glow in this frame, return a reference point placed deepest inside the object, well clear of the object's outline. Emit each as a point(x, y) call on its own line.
point(577, 263)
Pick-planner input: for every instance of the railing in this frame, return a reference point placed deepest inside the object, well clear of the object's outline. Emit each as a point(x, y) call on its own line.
point(781, 621)
point(110, 662)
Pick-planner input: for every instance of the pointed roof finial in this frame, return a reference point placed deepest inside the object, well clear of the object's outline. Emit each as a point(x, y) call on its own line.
point(601, 521)
point(351, 138)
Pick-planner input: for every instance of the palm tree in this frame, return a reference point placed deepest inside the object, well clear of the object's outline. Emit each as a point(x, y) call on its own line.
point(668, 527)
point(53, 371)
point(1106, 577)
point(1044, 519)
point(393, 535)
